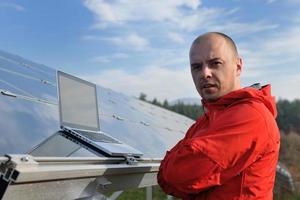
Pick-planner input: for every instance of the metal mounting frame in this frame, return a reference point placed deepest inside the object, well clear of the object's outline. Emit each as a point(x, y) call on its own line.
point(74, 178)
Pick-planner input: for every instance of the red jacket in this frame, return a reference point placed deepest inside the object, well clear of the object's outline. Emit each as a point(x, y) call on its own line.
point(231, 151)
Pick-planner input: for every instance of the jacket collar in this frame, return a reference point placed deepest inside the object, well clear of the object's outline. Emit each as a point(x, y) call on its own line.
point(257, 93)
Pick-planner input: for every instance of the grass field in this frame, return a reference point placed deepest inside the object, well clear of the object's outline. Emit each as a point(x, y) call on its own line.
point(140, 194)
point(158, 194)
point(290, 156)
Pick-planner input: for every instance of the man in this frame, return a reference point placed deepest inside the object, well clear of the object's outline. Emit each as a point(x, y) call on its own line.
point(231, 151)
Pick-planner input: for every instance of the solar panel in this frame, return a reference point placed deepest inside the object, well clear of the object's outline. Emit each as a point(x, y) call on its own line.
point(32, 115)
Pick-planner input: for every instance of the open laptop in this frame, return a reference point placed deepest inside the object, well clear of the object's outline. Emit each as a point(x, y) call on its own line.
point(79, 117)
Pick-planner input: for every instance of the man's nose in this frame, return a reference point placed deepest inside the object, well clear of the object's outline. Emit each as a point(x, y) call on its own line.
point(206, 72)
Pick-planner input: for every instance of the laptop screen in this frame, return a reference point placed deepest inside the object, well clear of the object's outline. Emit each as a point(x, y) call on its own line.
point(77, 103)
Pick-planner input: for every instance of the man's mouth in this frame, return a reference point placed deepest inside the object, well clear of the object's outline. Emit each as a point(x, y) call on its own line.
point(208, 85)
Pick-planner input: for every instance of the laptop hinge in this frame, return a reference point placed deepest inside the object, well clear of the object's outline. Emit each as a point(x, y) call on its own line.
point(131, 160)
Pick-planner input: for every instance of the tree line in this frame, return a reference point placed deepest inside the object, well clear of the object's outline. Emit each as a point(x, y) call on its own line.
point(288, 112)
point(288, 115)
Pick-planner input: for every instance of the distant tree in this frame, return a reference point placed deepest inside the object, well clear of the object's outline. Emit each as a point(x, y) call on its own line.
point(288, 116)
point(166, 104)
point(143, 97)
point(191, 111)
point(156, 102)
point(295, 115)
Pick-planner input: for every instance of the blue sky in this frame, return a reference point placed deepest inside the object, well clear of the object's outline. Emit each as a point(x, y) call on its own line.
point(135, 46)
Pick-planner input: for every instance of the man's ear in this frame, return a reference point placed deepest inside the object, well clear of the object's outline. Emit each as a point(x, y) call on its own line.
point(239, 65)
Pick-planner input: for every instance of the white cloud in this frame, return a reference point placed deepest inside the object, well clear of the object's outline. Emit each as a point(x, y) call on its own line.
point(108, 59)
point(257, 62)
point(272, 51)
point(232, 11)
point(175, 37)
point(293, 1)
point(120, 55)
point(273, 58)
point(284, 43)
point(130, 41)
point(103, 11)
point(270, 1)
point(174, 58)
point(156, 82)
point(232, 27)
point(201, 19)
point(119, 12)
point(92, 38)
point(17, 7)
point(101, 59)
point(135, 41)
point(187, 15)
point(286, 86)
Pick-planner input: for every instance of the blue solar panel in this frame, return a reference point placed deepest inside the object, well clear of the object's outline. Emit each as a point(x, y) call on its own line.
point(32, 115)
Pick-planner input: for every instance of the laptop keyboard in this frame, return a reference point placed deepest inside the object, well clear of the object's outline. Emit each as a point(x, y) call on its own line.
point(97, 137)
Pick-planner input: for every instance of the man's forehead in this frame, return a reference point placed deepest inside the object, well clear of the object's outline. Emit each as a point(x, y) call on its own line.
point(207, 51)
point(205, 56)
point(209, 47)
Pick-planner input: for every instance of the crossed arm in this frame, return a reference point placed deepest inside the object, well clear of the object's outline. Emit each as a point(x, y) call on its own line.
point(200, 162)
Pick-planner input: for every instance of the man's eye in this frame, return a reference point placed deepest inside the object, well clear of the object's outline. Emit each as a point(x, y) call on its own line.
point(196, 67)
point(217, 63)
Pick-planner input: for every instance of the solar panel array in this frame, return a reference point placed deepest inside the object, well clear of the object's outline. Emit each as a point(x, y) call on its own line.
point(29, 112)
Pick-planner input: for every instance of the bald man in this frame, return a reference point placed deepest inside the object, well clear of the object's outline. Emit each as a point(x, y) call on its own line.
point(231, 151)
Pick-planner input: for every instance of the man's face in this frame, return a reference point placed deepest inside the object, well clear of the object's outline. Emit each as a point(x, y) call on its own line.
point(215, 68)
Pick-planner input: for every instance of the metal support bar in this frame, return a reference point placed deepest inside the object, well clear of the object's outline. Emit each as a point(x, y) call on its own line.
point(115, 195)
point(149, 193)
point(75, 178)
point(3, 186)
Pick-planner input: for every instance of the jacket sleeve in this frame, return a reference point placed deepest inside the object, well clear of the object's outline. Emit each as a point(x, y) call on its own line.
point(210, 158)
point(167, 186)
point(186, 171)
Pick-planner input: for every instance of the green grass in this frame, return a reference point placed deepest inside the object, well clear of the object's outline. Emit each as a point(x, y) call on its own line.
point(158, 194)
point(140, 194)
point(287, 197)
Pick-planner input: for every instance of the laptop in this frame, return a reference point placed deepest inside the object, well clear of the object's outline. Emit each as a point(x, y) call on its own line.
point(79, 118)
